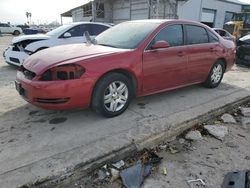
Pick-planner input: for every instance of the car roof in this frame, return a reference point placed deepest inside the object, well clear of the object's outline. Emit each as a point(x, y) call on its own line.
point(95, 23)
point(161, 21)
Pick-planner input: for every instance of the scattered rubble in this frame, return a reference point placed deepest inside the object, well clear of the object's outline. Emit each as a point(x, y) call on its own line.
point(218, 132)
point(245, 121)
point(228, 118)
point(245, 111)
point(119, 164)
point(115, 174)
point(194, 135)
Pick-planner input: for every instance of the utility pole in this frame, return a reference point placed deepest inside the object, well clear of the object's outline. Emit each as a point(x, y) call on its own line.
point(93, 11)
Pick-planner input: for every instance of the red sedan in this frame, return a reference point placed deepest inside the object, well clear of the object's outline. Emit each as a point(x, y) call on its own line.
point(134, 58)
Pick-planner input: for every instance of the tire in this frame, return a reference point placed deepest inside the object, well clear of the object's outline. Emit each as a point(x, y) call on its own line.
point(215, 75)
point(16, 32)
point(117, 100)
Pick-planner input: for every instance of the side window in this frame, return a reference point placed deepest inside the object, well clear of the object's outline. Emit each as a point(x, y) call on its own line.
point(97, 29)
point(212, 37)
point(196, 34)
point(172, 34)
point(75, 31)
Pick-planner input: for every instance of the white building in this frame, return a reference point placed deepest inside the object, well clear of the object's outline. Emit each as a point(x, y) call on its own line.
point(211, 12)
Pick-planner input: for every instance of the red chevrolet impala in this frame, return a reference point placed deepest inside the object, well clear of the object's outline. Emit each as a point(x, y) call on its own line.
point(134, 58)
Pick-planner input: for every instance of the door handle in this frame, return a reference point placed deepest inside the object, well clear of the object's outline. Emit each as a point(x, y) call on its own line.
point(180, 53)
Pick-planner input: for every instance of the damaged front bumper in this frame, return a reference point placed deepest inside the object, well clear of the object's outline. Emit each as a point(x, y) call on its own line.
point(14, 57)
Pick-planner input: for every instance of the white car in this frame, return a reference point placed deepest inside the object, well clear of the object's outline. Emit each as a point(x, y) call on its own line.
point(26, 45)
point(8, 29)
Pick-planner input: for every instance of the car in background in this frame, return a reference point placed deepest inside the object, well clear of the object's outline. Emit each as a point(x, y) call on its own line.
point(134, 58)
point(26, 45)
point(243, 51)
point(8, 29)
point(225, 34)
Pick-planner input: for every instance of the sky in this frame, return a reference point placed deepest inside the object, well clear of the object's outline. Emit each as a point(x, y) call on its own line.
point(43, 11)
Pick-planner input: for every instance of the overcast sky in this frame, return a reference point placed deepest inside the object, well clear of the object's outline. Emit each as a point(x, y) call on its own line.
point(43, 11)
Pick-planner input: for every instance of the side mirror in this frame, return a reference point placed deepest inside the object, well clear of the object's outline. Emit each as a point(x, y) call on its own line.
point(66, 35)
point(160, 44)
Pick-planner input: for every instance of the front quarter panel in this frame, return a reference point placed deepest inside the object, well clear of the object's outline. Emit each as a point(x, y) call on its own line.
point(130, 61)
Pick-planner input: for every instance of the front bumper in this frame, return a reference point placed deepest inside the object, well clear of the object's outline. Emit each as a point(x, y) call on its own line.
point(55, 95)
point(14, 57)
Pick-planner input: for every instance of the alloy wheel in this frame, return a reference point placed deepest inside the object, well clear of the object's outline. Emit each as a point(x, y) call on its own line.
point(217, 73)
point(115, 96)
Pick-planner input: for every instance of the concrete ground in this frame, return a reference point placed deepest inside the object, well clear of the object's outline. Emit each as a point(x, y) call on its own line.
point(36, 143)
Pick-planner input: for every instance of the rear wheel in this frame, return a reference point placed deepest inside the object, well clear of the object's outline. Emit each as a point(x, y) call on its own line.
point(215, 76)
point(112, 95)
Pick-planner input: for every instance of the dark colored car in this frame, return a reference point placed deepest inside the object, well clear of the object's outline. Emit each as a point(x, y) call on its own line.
point(134, 58)
point(243, 51)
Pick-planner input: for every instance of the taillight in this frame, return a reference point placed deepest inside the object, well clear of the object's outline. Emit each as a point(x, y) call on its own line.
point(63, 72)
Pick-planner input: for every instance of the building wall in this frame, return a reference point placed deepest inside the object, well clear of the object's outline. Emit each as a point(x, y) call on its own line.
point(192, 10)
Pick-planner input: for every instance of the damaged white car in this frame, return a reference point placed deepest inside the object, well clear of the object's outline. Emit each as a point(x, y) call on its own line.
point(26, 45)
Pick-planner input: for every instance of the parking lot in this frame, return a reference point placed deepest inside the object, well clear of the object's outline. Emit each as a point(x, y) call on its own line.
point(36, 143)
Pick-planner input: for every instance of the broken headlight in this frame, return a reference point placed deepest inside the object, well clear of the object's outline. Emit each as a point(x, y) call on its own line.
point(63, 72)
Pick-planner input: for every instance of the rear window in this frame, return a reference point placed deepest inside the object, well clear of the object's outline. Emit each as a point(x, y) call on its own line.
point(196, 35)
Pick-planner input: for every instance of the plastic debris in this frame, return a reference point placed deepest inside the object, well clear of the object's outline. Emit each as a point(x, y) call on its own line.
point(239, 179)
point(133, 176)
point(119, 164)
point(115, 174)
point(164, 171)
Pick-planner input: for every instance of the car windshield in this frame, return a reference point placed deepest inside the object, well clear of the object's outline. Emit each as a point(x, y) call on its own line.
point(126, 35)
point(59, 30)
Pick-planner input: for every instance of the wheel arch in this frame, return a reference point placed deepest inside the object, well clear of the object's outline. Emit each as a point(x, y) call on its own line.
point(125, 72)
point(224, 62)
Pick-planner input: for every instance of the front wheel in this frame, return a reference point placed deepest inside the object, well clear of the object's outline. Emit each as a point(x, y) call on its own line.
point(215, 76)
point(112, 95)
point(16, 32)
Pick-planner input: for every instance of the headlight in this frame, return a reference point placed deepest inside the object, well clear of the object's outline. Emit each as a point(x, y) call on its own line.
point(63, 72)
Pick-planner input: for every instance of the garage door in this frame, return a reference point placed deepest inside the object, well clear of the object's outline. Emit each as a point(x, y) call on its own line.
point(208, 17)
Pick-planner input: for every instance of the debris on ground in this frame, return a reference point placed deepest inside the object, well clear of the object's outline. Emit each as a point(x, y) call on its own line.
point(245, 121)
point(133, 176)
point(218, 132)
point(196, 181)
point(194, 135)
point(115, 174)
point(245, 111)
point(119, 164)
point(228, 118)
point(164, 171)
point(240, 179)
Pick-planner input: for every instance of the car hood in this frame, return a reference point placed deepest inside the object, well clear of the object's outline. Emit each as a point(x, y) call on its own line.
point(247, 37)
point(42, 60)
point(30, 37)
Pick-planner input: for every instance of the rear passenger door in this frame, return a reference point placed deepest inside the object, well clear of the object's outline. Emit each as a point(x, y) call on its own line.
point(202, 47)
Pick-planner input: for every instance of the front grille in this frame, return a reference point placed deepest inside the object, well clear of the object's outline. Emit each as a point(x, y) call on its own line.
point(52, 101)
point(14, 60)
point(27, 73)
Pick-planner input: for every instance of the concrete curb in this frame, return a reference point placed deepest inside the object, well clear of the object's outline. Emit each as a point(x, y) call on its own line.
point(82, 169)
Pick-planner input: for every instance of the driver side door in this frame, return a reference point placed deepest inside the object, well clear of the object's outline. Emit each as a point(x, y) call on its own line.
point(165, 68)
